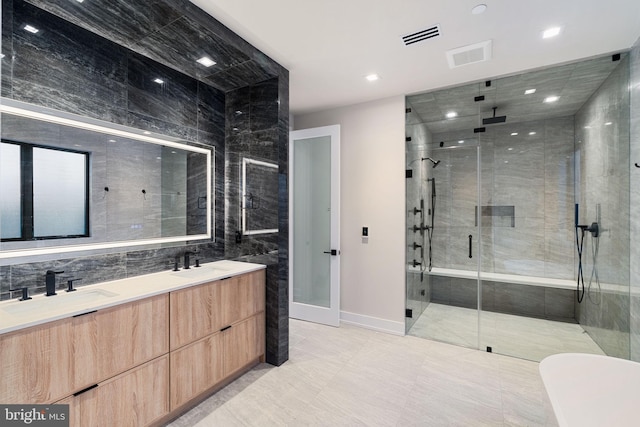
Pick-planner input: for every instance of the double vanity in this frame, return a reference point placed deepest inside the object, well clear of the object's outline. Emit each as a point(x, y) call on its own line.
point(136, 351)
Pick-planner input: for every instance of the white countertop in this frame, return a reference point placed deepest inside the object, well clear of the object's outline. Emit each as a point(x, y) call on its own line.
point(15, 314)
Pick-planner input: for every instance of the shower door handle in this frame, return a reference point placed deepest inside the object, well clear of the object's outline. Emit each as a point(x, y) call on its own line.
point(333, 252)
point(470, 246)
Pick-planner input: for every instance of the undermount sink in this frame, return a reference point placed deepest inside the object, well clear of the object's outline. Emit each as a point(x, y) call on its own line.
point(66, 299)
point(202, 271)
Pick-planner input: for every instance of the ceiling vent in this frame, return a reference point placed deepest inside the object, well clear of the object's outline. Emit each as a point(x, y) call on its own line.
point(470, 54)
point(420, 36)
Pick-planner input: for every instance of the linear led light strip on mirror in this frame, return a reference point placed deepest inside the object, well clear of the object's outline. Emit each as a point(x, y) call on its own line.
point(8, 106)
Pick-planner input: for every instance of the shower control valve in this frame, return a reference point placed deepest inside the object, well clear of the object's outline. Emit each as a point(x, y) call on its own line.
point(594, 229)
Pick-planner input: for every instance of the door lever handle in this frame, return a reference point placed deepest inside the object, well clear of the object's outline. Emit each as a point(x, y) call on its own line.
point(333, 252)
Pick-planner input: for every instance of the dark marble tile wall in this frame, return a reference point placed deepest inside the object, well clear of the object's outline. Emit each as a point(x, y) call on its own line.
point(174, 33)
point(522, 300)
point(256, 128)
point(71, 69)
point(252, 132)
point(278, 292)
point(603, 146)
point(98, 59)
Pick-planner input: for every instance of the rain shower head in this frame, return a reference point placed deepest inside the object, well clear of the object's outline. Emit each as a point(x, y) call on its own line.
point(435, 163)
point(493, 120)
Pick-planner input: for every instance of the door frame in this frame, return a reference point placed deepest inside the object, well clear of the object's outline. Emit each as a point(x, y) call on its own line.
point(331, 315)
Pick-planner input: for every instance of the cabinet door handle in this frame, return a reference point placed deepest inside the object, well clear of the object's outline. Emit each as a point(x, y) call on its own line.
point(225, 328)
point(85, 390)
point(84, 314)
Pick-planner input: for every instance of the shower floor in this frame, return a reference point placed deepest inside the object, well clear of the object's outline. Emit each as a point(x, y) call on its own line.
point(518, 336)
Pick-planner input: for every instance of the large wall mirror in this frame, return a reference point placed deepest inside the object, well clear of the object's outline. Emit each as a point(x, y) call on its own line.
point(71, 183)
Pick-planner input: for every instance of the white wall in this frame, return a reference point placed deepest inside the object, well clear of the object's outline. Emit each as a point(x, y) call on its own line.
point(372, 195)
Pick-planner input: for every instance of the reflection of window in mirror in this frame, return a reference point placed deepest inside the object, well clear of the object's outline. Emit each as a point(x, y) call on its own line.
point(259, 199)
point(45, 192)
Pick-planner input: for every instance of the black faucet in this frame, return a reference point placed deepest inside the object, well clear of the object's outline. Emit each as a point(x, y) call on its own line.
point(186, 259)
point(51, 282)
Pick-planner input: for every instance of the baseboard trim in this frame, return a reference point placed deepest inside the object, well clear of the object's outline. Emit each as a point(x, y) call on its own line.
point(374, 323)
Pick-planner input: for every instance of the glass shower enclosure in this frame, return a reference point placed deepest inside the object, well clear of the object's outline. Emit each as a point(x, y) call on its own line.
point(505, 178)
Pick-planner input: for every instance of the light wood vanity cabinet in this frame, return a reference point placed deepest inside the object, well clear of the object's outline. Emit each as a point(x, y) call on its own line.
point(243, 343)
point(195, 368)
point(216, 330)
point(39, 361)
point(132, 364)
point(48, 362)
point(138, 397)
point(131, 334)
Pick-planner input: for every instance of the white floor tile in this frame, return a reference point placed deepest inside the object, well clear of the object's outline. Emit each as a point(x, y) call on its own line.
point(350, 376)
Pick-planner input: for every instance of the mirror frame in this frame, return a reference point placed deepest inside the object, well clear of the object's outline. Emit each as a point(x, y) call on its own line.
point(17, 108)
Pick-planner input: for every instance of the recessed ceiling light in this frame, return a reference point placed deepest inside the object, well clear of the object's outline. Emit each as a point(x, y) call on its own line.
point(532, 133)
point(477, 10)
point(31, 29)
point(551, 32)
point(608, 123)
point(510, 148)
point(158, 80)
point(529, 91)
point(79, 1)
point(206, 61)
point(112, 140)
point(514, 133)
point(451, 114)
point(551, 98)
point(461, 141)
point(372, 77)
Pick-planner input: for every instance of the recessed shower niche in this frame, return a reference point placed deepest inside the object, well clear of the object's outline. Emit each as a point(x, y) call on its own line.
point(502, 171)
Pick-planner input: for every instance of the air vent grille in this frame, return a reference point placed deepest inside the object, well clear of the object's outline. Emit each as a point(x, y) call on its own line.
point(470, 54)
point(422, 35)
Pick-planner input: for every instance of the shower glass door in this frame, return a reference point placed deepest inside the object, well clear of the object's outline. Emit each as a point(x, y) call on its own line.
point(442, 237)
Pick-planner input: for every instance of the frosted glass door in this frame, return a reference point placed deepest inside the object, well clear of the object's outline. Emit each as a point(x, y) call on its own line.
point(314, 234)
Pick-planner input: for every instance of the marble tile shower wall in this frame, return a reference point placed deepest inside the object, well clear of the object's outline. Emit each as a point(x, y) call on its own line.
point(634, 279)
point(532, 173)
point(602, 145)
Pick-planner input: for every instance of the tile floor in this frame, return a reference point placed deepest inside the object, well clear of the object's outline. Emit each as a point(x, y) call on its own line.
point(350, 376)
point(518, 336)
